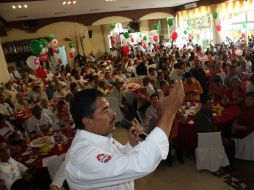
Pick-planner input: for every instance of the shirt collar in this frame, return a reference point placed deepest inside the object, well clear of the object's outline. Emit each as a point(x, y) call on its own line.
point(93, 137)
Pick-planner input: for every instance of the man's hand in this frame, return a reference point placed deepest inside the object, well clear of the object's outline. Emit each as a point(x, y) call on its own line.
point(134, 132)
point(174, 100)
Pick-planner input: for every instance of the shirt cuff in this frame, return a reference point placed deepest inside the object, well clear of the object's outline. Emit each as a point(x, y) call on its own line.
point(159, 137)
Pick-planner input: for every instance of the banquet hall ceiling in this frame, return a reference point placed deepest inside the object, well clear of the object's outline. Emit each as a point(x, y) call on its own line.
point(54, 8)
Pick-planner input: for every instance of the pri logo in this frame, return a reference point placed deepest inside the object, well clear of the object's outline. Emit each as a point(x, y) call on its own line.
point(103, 158)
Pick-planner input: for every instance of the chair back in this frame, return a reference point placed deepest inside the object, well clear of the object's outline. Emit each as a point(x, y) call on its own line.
point(209, 140)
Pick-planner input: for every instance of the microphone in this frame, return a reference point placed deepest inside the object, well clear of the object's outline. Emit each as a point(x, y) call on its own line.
point(127, 125)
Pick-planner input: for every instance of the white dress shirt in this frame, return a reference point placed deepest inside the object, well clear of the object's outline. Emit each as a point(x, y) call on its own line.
point(11, 171)
point(101, 163)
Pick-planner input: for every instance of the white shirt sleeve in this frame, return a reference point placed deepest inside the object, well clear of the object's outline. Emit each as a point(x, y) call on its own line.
point(59, 176)
point(87, 169)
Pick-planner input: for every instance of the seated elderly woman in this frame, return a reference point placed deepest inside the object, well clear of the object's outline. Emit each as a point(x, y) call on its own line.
point(235, 94)
point(244, 125)
point(61, 116)
point(192, 88)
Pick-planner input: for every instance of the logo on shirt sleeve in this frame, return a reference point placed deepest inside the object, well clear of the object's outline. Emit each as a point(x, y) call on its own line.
point(103, 158)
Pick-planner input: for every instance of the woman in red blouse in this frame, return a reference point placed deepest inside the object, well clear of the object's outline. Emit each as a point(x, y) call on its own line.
point(235, 95)
point(244, 125)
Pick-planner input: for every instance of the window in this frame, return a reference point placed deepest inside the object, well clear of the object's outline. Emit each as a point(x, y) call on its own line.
point(250, 16)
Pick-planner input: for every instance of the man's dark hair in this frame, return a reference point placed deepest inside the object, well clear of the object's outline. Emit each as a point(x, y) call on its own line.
point(250, 94)
point(83, 105)
point(154, 95)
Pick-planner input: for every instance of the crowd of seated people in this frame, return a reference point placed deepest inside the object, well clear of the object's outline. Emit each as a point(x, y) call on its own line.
point(218, 71)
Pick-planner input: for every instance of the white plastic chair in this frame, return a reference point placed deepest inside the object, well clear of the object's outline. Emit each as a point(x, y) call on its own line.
point(244, 148)
point(114, 105)
point(210, 153)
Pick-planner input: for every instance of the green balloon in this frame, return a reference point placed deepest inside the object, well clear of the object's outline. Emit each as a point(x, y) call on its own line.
point(113, 26)
point(130, 30)
point(57, 51)
point(126, 35)
point(170, 22)
point(44, 42)
point(51, 37)
point(215, 15)
point(70, 45)
point(245, 25)
point(140, 35)
point(145, 38)
point(36, 47)
point(155, 26)
point(185, 32)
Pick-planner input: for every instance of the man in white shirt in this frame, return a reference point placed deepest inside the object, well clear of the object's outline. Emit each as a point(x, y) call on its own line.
point(5, 108)
point(10, 169)
point(38, 123)
point(96, 161)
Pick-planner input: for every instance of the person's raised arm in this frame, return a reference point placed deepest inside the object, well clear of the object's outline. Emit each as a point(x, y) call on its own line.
point(169, 106)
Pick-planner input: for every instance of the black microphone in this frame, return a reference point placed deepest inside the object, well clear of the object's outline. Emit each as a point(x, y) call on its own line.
point(127, 125)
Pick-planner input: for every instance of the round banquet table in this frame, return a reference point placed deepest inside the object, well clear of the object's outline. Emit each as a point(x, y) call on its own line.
point(224, 122)
point(41, 176)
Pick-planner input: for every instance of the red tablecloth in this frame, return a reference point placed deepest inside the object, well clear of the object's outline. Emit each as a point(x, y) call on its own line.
point(187, 131)
point(41, 176)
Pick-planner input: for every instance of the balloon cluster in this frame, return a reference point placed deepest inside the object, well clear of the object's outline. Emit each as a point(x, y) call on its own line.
point(40, 50)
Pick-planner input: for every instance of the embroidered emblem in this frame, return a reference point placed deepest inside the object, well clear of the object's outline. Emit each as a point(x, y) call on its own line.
point(103, 158)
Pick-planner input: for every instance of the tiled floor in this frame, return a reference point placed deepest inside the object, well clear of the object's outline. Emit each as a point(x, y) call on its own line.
point(177, 177)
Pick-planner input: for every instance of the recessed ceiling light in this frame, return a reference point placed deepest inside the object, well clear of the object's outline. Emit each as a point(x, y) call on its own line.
point(19, 6)
point(13, 6)
point(74, 2)
point(25, 6)
point(69, 2)
point(64, 3)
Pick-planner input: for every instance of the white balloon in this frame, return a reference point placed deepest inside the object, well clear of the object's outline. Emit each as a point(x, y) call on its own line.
point(31, 62)
point(72, 50)
point(54, 43)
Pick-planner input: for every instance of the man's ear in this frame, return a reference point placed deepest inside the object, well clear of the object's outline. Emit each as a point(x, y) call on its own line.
point(87, 122)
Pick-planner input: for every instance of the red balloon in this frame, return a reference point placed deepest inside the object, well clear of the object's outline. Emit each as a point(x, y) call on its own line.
point(125, 50)
point(218, 27)
point(144, 46)
point(132, 40)
point(43, 57)
point(243, 35)
point(190, 36)
point(113, 40)
point(155, 38)
point(174, 35)
point(54, 50)
point(60, 61)
point(40, 72)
